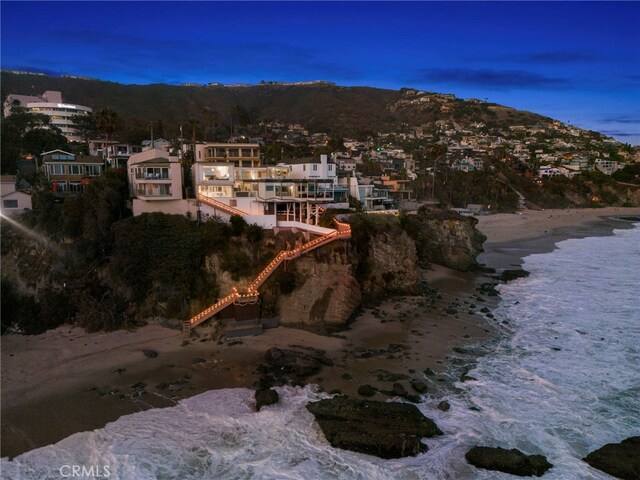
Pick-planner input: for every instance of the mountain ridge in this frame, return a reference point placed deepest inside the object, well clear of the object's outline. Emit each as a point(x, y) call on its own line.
point(317, 105)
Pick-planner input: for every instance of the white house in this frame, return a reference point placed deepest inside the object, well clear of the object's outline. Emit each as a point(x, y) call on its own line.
point(13, 201)
point(548, 171)
point(155, 182)
point(607, 166)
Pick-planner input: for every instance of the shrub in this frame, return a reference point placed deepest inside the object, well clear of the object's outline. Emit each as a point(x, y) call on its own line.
point(238, 224)
point(237, 263)
point(254, 233)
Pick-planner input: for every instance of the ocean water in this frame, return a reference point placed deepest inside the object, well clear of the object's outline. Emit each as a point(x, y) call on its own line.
point(563, 380)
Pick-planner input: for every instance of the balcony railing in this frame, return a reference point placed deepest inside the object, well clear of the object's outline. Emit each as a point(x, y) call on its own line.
point(152, 176)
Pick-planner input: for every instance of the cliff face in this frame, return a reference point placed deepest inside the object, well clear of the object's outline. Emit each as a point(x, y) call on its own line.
point(326, 292)
point(446, 238)
point(393, 264)
point(329, 289)
point(318, 291)
point(30, 265)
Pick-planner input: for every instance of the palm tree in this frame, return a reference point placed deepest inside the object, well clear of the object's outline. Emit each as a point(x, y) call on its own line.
point(193, 123)
point(210, 117)
point(107, 122)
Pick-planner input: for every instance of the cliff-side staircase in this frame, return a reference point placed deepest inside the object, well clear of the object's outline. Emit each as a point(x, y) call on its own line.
point(213, 203)
point(342, 231)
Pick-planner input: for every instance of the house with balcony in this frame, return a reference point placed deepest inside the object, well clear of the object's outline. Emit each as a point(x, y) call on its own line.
point(548, 171)
point(115, 153)
point(238, 154)
point(69, 173)
point(398, 189)
point(231, 180)
point(607, 166)
point(155, 183)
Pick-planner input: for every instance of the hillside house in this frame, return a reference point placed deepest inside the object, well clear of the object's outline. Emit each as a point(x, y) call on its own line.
point(155, 182)
point(14, 202)
point(69, 173)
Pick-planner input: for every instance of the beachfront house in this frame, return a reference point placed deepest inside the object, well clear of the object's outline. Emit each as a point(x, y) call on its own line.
point(155, 182)
point(230, 179)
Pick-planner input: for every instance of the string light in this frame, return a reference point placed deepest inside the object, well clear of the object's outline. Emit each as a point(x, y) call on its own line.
point(343, 230)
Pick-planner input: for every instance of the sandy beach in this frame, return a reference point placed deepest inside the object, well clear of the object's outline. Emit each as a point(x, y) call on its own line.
point(67, 380)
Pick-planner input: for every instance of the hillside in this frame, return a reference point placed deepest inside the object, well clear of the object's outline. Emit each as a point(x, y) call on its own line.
point(318, 107)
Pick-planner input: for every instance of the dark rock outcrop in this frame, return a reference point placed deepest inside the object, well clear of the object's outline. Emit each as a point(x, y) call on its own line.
point(367, 391)
point(292, 365)
point(621, 460)
point(444, 406)
point(419, 386)
point(264, 397)
point(387, 430)
point(508, 275)
point(509, 461)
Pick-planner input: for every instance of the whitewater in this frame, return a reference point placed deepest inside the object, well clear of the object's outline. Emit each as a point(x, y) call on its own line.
point(561, 380)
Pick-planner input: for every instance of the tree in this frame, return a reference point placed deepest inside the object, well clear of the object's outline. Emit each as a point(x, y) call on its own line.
point(238, 224)
point(14, 128)
point(193, 124)
point(336, 143)
point(210, 117)
point(39, 140)
point(85, 125)
point(254, 233)
point(240, 116)
point(104, 201)
point(108, 122)
point(159, 129)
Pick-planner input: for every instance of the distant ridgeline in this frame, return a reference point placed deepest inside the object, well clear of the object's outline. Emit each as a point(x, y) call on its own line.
point(318, 105)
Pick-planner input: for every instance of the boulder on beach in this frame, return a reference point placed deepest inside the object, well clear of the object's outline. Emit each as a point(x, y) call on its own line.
point(265, 396)
point(383, 429)
point(419, 386)
point(621, 460)
point(367, 390)
point(509, 461)
point(293, 365)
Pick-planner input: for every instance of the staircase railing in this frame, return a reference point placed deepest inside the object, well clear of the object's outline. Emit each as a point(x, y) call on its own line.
point(221, 206)
point(343, 230)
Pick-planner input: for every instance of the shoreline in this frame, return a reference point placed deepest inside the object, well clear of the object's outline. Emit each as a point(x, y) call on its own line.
point(50, 390)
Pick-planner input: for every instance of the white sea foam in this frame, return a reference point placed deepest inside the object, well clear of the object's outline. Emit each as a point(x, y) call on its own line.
point(562, 382)
point(565, 380)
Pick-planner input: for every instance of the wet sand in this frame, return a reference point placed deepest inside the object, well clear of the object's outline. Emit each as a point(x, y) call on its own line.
point(66, 380)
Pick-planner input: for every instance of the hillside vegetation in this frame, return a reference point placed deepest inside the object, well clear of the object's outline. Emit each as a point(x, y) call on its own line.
point(354, 111)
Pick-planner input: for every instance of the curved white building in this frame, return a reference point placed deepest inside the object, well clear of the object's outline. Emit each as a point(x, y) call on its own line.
point(51, 104)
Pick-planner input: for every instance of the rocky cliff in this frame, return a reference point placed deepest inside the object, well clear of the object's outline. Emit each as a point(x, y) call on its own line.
point(445, 238)
point(319, 291)
point(326, 292)
point(383, 257)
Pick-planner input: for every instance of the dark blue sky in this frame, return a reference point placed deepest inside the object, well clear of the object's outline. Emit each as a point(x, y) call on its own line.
point(578, 62)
